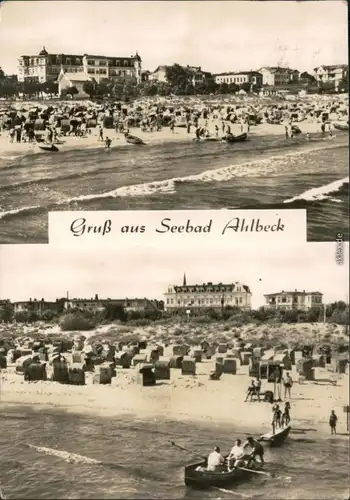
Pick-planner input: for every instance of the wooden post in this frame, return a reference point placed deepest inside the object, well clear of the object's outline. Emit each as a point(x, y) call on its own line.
point(346, 409)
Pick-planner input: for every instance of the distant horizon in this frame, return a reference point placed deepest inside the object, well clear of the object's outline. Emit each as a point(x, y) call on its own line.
point(219, 37)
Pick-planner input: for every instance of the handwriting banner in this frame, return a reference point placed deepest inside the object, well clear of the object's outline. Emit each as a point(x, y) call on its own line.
point(177, 227)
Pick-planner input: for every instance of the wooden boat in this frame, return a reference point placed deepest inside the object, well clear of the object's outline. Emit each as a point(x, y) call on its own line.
point(49, 147)
point(236, 138)
point(209, 139)
point(202, 478)
point(341, 126)
point(132, 139)
point(277, 438)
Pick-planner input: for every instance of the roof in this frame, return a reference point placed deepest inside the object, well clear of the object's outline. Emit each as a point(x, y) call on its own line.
point(194, 69)
point(43, 52)
point(228, 73)
point(295, 292)
point(216, 288)
point(274, 69)
point(330, 67)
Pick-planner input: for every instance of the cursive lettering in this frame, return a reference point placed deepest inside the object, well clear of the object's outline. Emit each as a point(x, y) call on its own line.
point(80, 227)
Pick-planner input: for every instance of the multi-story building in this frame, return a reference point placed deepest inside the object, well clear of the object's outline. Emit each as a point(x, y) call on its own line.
point(278, 76)
point(45, 66)
point(293, 300)
point(331, 74)
point(38, 306)
point(96, 304)
point(251, 77)
point(208, 295)
point(197, 76)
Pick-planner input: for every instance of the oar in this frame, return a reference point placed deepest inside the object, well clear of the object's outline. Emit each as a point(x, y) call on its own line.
point(256, 471)
point(188, 451)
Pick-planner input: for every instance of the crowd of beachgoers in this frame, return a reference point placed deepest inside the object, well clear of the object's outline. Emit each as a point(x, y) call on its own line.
point(56, 121)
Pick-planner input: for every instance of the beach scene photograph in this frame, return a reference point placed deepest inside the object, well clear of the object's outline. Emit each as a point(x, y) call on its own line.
point(173, 105)
point(144, 373)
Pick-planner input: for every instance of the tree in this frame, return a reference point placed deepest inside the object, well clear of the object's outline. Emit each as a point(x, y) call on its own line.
point(178, 77)
point(343, 85)
point(21, 316)
point(306, 77)
point(114, 312)
point(246, 86)
point(72, 91)
point(75, 322)
point(6, 312)
point(50, 87)
point(48, 315)
point(89, 87)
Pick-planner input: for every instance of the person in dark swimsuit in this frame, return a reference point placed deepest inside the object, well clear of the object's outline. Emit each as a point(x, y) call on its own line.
point(257, 450)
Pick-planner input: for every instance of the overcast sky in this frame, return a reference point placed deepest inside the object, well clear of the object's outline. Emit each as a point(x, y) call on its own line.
point(45, 271)
point(219, 36)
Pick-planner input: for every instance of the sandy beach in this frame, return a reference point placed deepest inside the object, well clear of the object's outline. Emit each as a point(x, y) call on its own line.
point(196, 397)
point(179, 135)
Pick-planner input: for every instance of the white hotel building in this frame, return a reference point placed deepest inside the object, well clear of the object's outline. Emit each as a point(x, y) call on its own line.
point(207, 295)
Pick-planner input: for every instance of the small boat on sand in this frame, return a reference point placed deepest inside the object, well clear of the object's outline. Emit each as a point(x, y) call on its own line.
point(341, 126)
point(235, 138)
point(132, 139)
point(49, 147)
point(197, 476)
point(277, 438)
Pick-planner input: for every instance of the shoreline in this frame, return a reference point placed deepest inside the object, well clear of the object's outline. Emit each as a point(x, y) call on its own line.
point(184, 399)
point(180, 135)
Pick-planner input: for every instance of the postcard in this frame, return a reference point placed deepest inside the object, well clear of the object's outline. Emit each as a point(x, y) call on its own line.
point(174, 250)
point(182, 106)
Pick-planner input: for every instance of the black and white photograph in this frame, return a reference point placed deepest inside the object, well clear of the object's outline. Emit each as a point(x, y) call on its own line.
point(163, 374)
point(173, 105)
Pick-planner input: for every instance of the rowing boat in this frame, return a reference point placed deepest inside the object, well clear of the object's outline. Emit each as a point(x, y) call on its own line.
point(197, 476)
point(276, 438)
point(49, 147)
point(236, 138)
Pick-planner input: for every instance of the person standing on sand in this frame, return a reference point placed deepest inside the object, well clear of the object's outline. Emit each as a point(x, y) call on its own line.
point(287, 133)
point(287, 382)
point(100, 134)
point(333, 422)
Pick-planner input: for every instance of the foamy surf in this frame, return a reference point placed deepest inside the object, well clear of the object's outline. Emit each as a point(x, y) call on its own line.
point(16, 211)
point(267, 166)
point(72, 458)
point(320, 193)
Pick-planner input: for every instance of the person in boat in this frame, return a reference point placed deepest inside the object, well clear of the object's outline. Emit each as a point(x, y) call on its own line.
point(333, 422)
point(257, 450)
point(286, 414)
point(108, 143)
point(236, 455)
point(215, 460)
point(250, 391)
point(276, 417)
